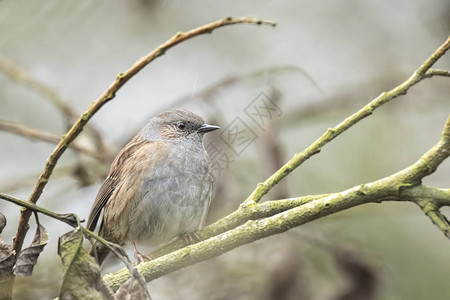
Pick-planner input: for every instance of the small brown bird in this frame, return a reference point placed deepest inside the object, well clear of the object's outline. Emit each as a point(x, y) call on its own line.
point(159, 185)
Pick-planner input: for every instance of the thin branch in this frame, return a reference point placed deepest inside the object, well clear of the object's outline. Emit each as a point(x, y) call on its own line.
point(397, 187)
point(208, 92)
point(108, 95)
point(27, 180)
point(70, 219)
point(331, 133)
point(20, 76)
point(17, 74)
point(437, 72)
point(344, 100)
point(66, 218)
point(432, 211)
point(32, 133)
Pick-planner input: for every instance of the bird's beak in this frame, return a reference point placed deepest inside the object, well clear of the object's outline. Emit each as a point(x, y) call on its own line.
point(207, 128)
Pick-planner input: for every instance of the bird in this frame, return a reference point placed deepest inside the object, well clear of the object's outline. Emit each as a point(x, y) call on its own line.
point(159, 186)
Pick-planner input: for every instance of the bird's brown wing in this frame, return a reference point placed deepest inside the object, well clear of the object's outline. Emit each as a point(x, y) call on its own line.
point(103, 195)
point(114, 178)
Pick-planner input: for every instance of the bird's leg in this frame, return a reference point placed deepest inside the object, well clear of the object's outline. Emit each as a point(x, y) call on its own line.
point(139, 256)
point(190, 237)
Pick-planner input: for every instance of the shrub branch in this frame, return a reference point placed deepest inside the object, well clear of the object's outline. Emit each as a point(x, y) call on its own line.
point(420, 74)
point(401, 186)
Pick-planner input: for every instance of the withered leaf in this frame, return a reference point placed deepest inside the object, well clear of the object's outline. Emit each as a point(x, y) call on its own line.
point(2, 222)
point(81, 279)
point(28, 257)
point(7, 259)
point(133, 288)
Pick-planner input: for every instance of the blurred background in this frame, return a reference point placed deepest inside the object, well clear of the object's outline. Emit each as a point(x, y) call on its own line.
point(323, 61)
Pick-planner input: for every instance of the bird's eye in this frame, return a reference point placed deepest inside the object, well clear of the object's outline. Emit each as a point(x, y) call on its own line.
point(181, 125)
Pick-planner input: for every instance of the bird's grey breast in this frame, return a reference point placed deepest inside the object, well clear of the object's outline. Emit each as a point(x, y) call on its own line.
point(174, 196)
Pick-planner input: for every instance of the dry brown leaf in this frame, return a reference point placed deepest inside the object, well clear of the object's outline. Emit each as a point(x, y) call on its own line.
point(28, 257)
point(7, 259)
point(134, 289)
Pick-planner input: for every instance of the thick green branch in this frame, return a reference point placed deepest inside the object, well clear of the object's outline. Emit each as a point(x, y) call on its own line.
point(401, 186)
point(256, 229)
point(331, 133)
point(239, 217)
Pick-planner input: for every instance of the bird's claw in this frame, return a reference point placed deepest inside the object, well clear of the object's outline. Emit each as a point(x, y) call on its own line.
point(190, 237)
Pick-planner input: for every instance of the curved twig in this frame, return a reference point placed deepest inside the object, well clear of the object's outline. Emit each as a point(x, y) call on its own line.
point(17, 74)
point(32, 133)
point(108, 95)
point(208, 92)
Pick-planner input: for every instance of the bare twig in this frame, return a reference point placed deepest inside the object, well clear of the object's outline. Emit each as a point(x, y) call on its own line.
point(432, 211)
point(32, 133)
point(331, 133)
point(437, 72)
point(209, 92)
point(27, 180)
point(20, 76)
point(17, 74)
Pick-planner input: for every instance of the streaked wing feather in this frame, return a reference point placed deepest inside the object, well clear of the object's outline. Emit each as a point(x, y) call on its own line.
point(103, 196)
point(113, 179)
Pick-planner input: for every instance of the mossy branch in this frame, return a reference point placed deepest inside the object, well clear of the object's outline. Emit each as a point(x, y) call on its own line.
point(279, 217)
point(268, 218)
point(239, 217)
point(299, 158)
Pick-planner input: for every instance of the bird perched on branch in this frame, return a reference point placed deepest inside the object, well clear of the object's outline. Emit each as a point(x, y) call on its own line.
point(159, 185)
